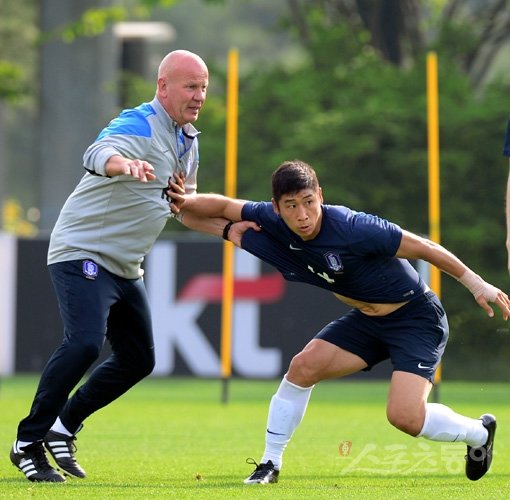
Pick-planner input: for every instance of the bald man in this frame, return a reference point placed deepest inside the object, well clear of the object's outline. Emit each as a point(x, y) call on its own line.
point(105, 229)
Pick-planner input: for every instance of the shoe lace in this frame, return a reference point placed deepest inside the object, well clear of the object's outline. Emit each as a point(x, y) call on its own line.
point(72, 445)
point(261, 470)
point(69, 442)
point(38, 456)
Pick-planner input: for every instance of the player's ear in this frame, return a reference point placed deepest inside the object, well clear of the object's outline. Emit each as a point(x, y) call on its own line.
point(275, 206)
point(319, 191)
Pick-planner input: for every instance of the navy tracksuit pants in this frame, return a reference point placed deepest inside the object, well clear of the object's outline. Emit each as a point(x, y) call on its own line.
point(94, 304)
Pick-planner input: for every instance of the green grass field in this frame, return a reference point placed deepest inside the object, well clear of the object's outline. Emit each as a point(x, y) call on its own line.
point(173, 438)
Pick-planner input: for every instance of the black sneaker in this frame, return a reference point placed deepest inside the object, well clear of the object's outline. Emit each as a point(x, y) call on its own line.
point(32, 461)
point(478, 460)
point(62, 449)
point(263, 474)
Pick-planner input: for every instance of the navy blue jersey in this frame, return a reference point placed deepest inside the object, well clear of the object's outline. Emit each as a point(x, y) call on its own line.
point(506, 147)
point(353, 254)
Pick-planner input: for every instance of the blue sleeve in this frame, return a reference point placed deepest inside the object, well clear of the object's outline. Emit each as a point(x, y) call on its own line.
point(129, 135)
point(130, 122)
point(372, 235)
point(260, 212)
point(506, 148)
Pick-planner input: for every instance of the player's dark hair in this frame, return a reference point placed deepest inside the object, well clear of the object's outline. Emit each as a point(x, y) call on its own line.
point(291, 177)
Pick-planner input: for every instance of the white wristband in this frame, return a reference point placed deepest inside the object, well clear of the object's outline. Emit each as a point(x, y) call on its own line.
point(478, 287)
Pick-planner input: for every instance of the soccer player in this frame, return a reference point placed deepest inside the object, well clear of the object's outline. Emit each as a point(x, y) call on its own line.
point(362, 259)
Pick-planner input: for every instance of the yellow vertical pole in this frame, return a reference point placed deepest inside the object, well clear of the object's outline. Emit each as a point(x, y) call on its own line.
point(433, 175)
point(228, 248)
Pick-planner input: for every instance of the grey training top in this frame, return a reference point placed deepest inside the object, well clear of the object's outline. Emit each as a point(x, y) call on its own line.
point(114, 221)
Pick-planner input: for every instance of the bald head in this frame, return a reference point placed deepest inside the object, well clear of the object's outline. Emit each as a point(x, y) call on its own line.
point(180, 60)
point(183, 78)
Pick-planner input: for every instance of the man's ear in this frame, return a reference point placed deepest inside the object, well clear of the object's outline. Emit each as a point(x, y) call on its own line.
point(162, 86)
point(275, 206)
point(321, 197)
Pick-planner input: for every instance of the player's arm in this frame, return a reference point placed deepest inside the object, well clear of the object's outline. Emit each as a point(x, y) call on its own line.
point(204, 205)
point(214, 214)
point(208, 213)
point(413, 246)
point(218, 226)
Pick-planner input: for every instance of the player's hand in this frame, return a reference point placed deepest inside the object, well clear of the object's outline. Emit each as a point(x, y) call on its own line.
point(176, 195)
point(138, 169)
point(176, 188)
point(237, 230)
point(497, 297)
point(484, 293)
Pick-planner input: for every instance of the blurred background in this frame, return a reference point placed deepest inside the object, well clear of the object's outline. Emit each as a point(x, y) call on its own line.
point(340, 84)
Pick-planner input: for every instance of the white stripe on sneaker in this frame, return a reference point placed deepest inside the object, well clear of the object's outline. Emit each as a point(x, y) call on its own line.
point(27, 467)
point(59, 449)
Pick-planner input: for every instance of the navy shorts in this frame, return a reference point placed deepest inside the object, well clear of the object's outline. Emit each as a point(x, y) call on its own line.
point(413, 337)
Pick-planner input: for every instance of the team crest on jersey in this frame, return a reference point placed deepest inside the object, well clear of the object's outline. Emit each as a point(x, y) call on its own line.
point(90, 269)
point(334, 261)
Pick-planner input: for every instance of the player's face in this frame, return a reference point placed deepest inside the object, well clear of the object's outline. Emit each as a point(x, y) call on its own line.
point(182, 96)
point(302, 212)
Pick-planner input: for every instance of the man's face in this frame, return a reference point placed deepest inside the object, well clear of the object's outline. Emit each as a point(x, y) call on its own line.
point(183, 94)
point(302, 212)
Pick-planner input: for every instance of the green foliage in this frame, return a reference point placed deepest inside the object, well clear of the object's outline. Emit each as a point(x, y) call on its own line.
point(360, 122)
point(17, 55)
point(135, 89)
point(12, 81)
point(93, 22)
point(363, 125)
point(353, 120)
point(212, 146)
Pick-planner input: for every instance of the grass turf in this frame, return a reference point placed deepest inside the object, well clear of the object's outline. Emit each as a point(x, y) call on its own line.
point(173, 438)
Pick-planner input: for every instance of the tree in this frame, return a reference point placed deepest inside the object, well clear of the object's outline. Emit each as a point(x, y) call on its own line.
point(361, 121)
point(17, 70)
point(400, 30)
point(354, 106)
point(17, 54)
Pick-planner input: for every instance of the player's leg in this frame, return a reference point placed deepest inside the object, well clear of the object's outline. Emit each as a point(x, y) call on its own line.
point(409, 411)
point(319, 360)
point(417, 339)
point(407, 401)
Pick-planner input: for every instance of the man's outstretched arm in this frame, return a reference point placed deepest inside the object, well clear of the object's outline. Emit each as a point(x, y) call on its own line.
point(413, 246)
point(209, 213)
point(218, 226)
point(205, 205)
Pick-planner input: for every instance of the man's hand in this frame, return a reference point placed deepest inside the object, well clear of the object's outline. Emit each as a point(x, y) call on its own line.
point(176, 192)
point(500, 299)
point(485, 293)
point(237, 230)
point(138, 169)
